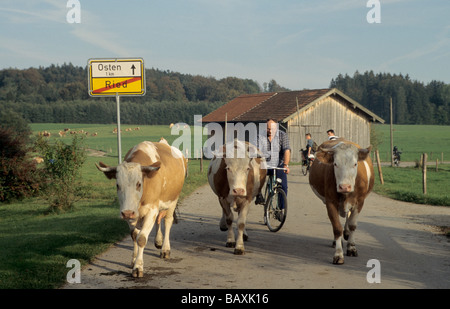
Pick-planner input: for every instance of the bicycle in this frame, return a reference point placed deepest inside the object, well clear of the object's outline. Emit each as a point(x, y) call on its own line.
point(275, 202)
point(306, 163)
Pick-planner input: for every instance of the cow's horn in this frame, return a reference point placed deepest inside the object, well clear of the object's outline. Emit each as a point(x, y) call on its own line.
point(104, 168)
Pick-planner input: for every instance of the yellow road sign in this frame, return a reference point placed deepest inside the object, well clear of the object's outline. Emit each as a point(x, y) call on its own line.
point(118, 76)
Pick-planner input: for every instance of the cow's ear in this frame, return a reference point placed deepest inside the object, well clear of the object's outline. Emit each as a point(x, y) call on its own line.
point(150, 169)
point(363, 153)
point(110, 172)
point(325, 156)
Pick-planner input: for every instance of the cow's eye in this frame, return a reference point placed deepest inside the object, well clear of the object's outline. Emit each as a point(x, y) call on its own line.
point(335, 164)
point(138, 186)
point(356, 164)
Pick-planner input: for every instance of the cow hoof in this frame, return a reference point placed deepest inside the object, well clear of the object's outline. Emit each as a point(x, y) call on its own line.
point(137, 273)
point(165, 255)
point(239, 251)
point(352, 252)
point(230, 244)
point(337, 260)
point(223, 229)
point(158, 246)
point(346, 235)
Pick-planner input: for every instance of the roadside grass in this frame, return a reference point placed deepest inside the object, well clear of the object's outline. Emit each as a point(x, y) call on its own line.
point(405, 184)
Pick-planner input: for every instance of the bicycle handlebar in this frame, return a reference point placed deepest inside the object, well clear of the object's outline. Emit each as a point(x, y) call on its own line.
point(277, 168)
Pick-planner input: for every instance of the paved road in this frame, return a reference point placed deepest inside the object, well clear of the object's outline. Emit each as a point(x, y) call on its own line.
point(403, 237)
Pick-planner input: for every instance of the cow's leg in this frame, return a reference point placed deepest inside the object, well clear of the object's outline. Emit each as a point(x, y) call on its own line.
point(333, 214)
point(134, 231)
point(226, 223)
point(242, 218)
point(142, 237)
point(349, 231)
point(159, 234)
point(168, 221)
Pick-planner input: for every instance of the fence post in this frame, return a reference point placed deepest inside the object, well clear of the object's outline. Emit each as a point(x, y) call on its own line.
point(437, 163)
point(424, 173)
point(377, 154)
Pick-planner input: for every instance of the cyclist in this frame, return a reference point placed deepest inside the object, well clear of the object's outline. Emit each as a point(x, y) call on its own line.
point(311, 146)
point(275, 147)
point(396, 154)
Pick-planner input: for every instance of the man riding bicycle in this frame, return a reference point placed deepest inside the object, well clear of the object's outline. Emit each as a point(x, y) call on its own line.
point(275, 147)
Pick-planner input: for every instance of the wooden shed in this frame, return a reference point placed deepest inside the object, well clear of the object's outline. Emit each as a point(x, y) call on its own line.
point(301, 112)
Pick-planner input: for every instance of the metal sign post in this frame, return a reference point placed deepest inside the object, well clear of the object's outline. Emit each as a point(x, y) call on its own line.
point(116, 77)
point(119, 143)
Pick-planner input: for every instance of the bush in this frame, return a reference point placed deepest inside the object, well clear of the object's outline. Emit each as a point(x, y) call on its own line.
point(62, 172)
point(18, 176)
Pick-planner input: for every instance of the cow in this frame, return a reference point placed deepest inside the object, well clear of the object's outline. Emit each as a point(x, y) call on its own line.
point(149, 182)
point(236, 174)
point(342, 177)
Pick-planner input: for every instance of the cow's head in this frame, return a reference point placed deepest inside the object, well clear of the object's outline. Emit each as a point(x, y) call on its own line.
point(130, 185)
point(237, 174)
point(344, 158)
point(239, 158)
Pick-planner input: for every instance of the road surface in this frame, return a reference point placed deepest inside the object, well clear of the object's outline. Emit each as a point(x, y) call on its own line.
point(403, 237)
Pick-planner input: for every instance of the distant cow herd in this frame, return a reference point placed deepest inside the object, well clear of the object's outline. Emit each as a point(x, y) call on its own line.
point(63, 133)
point(150, 180)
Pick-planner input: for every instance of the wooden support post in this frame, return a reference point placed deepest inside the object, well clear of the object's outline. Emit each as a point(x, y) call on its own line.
point(424, 173)
point(377, 154)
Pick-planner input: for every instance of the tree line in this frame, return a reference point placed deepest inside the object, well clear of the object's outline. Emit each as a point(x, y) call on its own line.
point(413, 102)
point(60, 94)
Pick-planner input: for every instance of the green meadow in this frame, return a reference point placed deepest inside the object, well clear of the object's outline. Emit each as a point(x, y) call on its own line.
point(413, 140)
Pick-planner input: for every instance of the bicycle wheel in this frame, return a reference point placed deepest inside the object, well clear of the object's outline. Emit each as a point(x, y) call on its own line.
point(304, 169)
point(276, 210)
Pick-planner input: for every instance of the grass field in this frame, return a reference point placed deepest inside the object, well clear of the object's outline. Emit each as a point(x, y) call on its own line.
point(405, 184)
point(413, 140)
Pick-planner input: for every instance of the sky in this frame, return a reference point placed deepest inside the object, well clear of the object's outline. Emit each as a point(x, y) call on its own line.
point(302, 44)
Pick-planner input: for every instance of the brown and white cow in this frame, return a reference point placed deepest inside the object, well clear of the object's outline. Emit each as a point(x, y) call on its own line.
point(236, 174)
point(342, 177)
point(149, 182)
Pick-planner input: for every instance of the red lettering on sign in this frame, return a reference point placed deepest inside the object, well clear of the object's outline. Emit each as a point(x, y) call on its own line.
point(111, 85)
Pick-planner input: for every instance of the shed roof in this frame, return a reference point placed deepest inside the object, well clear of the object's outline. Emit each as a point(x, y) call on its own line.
point(280, 106)
point(236, 107)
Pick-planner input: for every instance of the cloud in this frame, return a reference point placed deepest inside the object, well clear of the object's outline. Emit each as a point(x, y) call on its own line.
point(438, 47)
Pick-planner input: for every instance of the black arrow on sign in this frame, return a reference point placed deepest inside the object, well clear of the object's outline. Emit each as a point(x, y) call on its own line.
point(133, 68)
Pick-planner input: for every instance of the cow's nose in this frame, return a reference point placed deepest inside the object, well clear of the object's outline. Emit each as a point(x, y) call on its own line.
point(238, 191)
point(345, 188)
point(128, 214)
